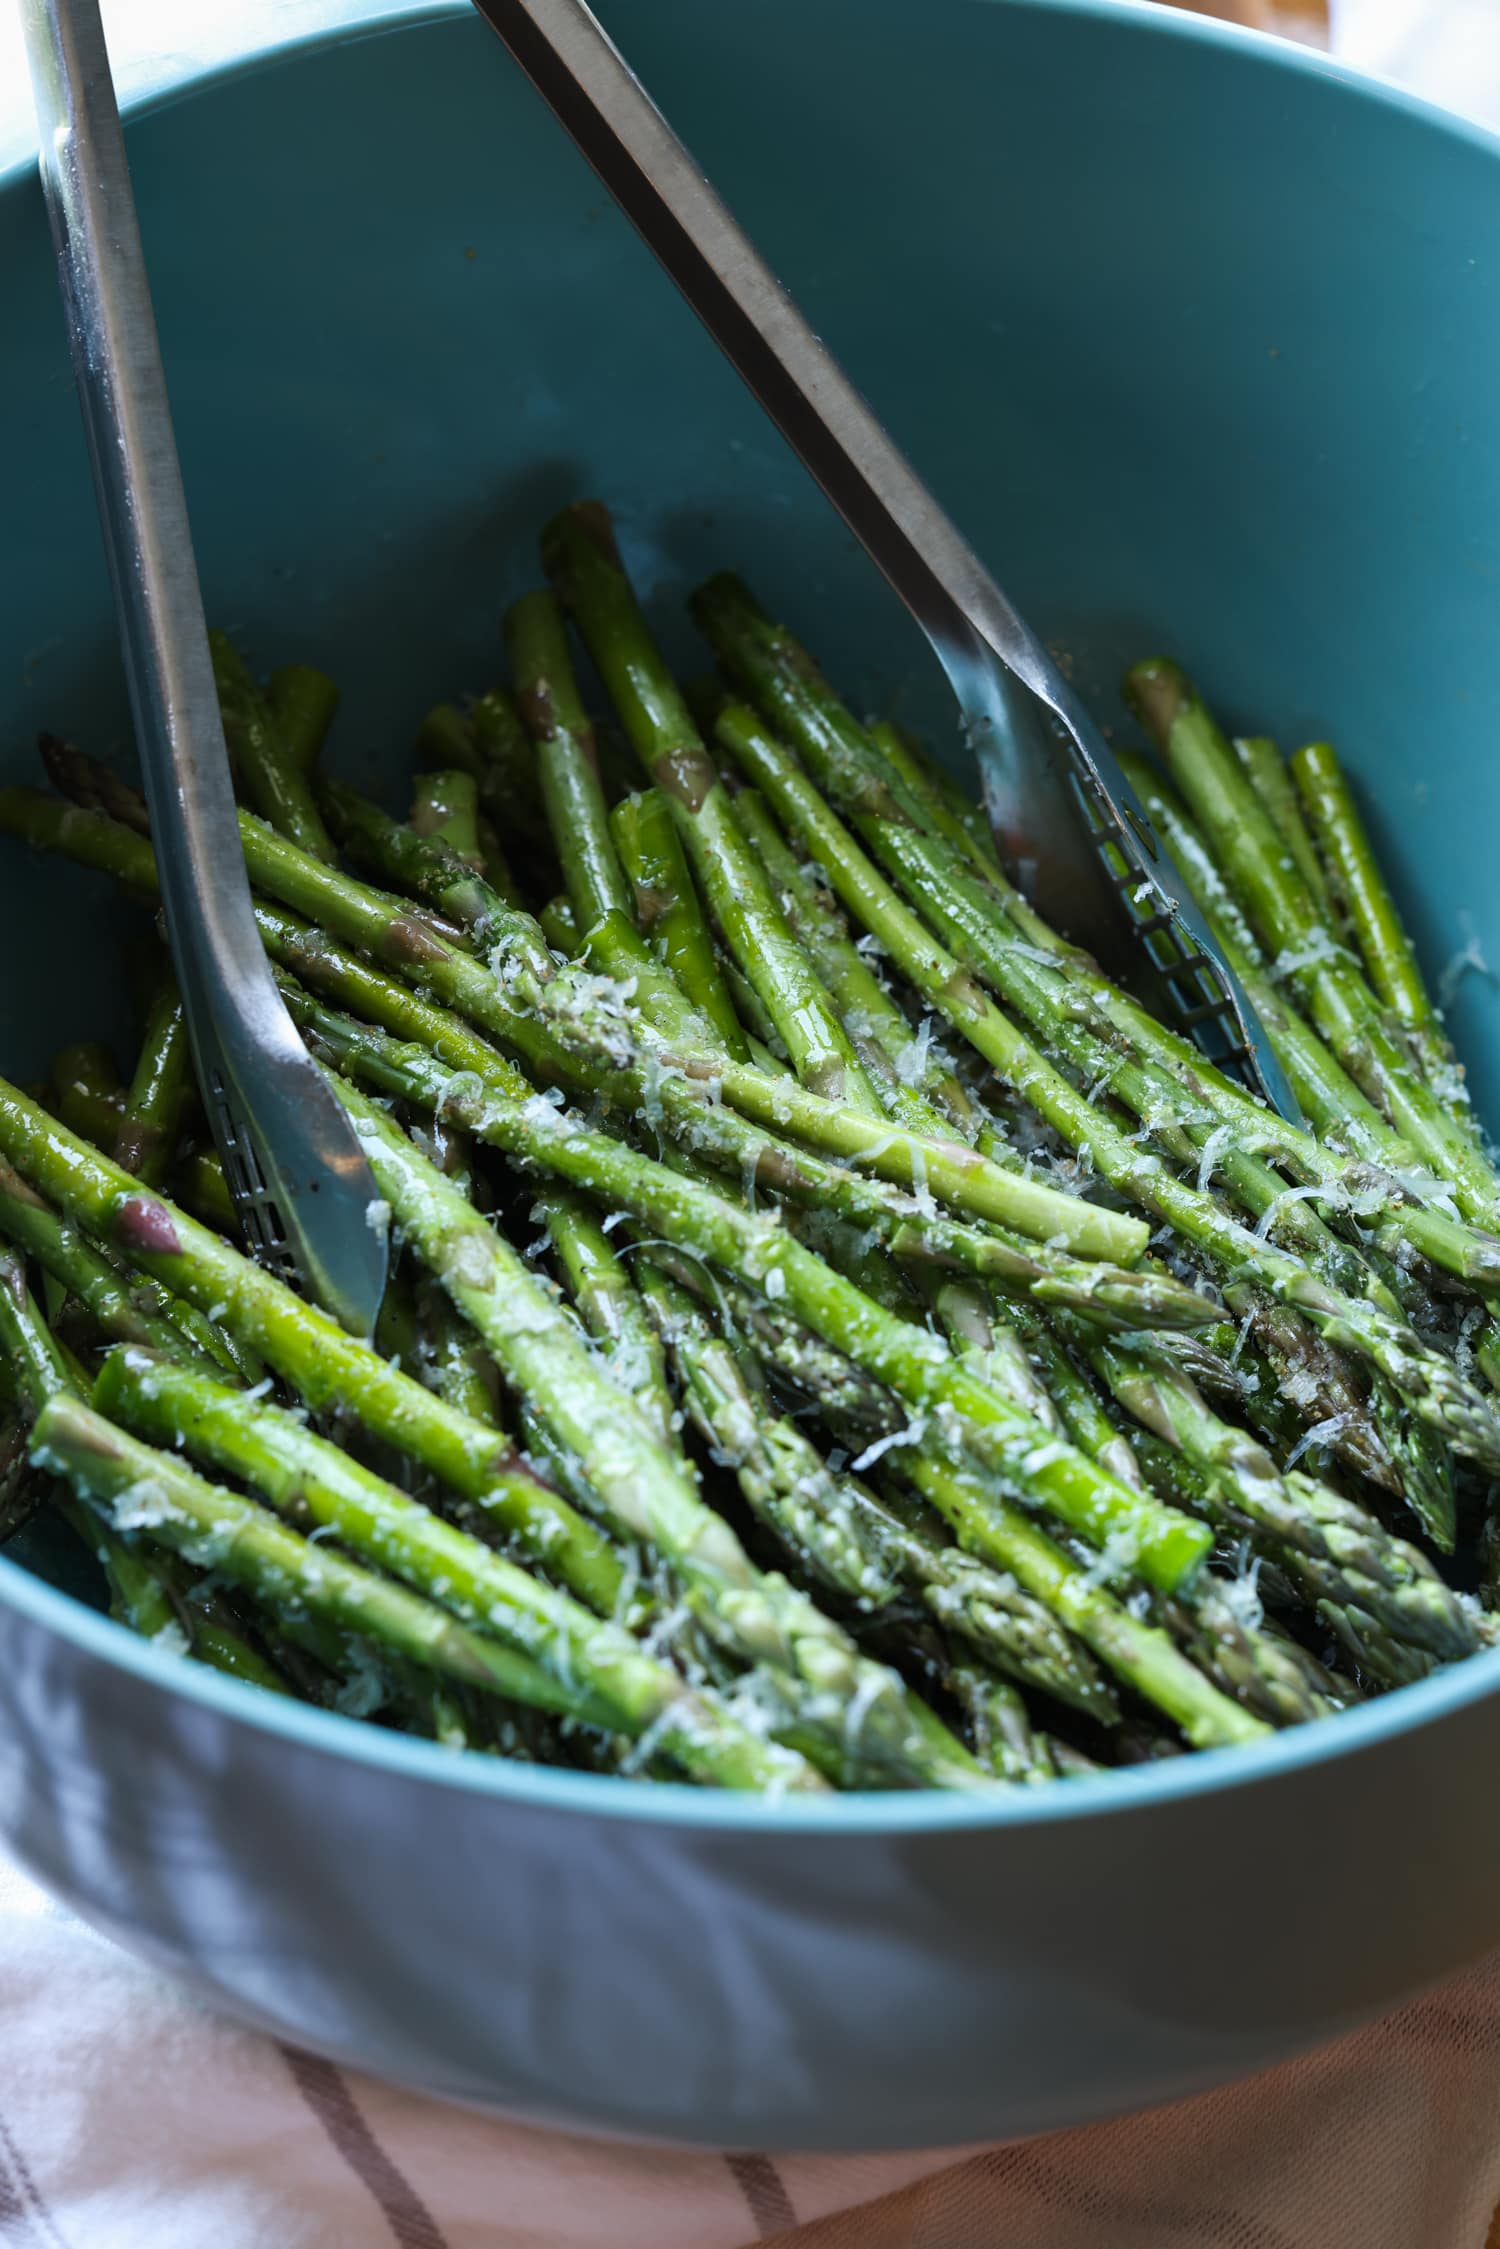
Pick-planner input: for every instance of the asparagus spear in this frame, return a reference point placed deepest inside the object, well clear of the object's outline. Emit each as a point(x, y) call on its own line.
point(200, 1181)
point(610, 1306)
point(1139, 1654)
point(302, 702)
point(1327, 1094)
point(445, 806)
point(1299, 1517)
point(146, 1592)
point(1204, 768)
point(453, 1360)
point(1389, 957)
point(271, 776)
point(91, 785)
point(953, 813)
point(999, 1724)
point(559, 926)
point(553, 712)
point(433, 871)
point(28, 1349)
point(790, 1354)
point(159, 1092)
point(639, 1482)
point(1268, 1676)
point(579, 552)
point(764, 1253)
point(614, 1687)
point(327, 1367)
point(126, 1306)
point(666, 907)
point(1266, 770)
point(913, 1082)
point(848, 1538)
point(1429, 1383)
point(362, 917)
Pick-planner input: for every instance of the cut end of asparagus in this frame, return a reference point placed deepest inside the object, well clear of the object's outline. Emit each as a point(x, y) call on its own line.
point(1157, 692)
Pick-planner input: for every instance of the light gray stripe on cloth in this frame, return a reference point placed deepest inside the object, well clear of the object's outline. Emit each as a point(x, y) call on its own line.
point(761, 2184)
point(15, 2219)
point(29, 2188)
point(329, 2095)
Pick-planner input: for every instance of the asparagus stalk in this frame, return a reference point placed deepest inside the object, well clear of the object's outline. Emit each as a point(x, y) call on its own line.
point(200, 1182)
point(1204, 768)
point(611, 1307)
point(667, 910)
point(559, 926)
point(271, 776)
point(1139, 1654)
point(762, 1252)
point(445, 807)
point(1389, 956)
point(145, 1593)
point(328, 1368)
point(913, 1083)
point(27, 1347)
point(567, 758)
point(453, 1360)
point(91, 785)
point(1305, 1522)
point(612, 1686)
point(952, 812)
point(601, 898)
point(1429, 1383)
point(862, 1546)
point(127, 1306)
point(792, 1357)
point(1266, 770)
point(362, 917)
point(579, 552)
point(433, 871)
point(302, 702)
point(1326, 1093)
point(640, 1483)
point(488, 745)
point(158, 1092)
point(999, 1724)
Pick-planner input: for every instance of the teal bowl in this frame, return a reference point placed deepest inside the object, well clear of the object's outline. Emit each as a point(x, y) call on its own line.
point(1198, 338)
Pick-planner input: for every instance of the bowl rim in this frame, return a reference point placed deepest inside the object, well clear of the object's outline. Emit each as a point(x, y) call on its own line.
point(1196, 1778)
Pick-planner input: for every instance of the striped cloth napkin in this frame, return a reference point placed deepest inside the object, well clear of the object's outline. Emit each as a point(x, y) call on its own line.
point(130, 2118)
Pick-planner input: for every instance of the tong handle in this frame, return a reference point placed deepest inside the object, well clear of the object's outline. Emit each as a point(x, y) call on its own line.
point(1054, 785)
point(300, 1181)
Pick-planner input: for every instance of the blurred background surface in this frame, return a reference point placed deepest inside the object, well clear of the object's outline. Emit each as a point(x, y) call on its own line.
point(1447, 50)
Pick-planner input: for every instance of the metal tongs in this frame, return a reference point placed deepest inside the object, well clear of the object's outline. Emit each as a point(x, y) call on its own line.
point(1063, 812)
point(300, 1182)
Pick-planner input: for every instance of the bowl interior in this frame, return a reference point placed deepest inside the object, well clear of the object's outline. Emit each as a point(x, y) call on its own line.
point(1195, 338)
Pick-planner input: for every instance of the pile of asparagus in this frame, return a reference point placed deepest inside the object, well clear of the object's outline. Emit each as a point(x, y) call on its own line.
point(837, 1337)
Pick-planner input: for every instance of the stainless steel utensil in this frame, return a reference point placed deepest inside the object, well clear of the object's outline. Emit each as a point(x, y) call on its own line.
point(299, 1180)
point(1067, 818)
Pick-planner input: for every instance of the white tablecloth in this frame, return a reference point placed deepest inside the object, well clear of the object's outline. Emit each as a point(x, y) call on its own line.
point(132, 2119)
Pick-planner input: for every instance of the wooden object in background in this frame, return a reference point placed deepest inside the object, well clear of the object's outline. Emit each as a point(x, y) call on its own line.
point(1306, 20)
